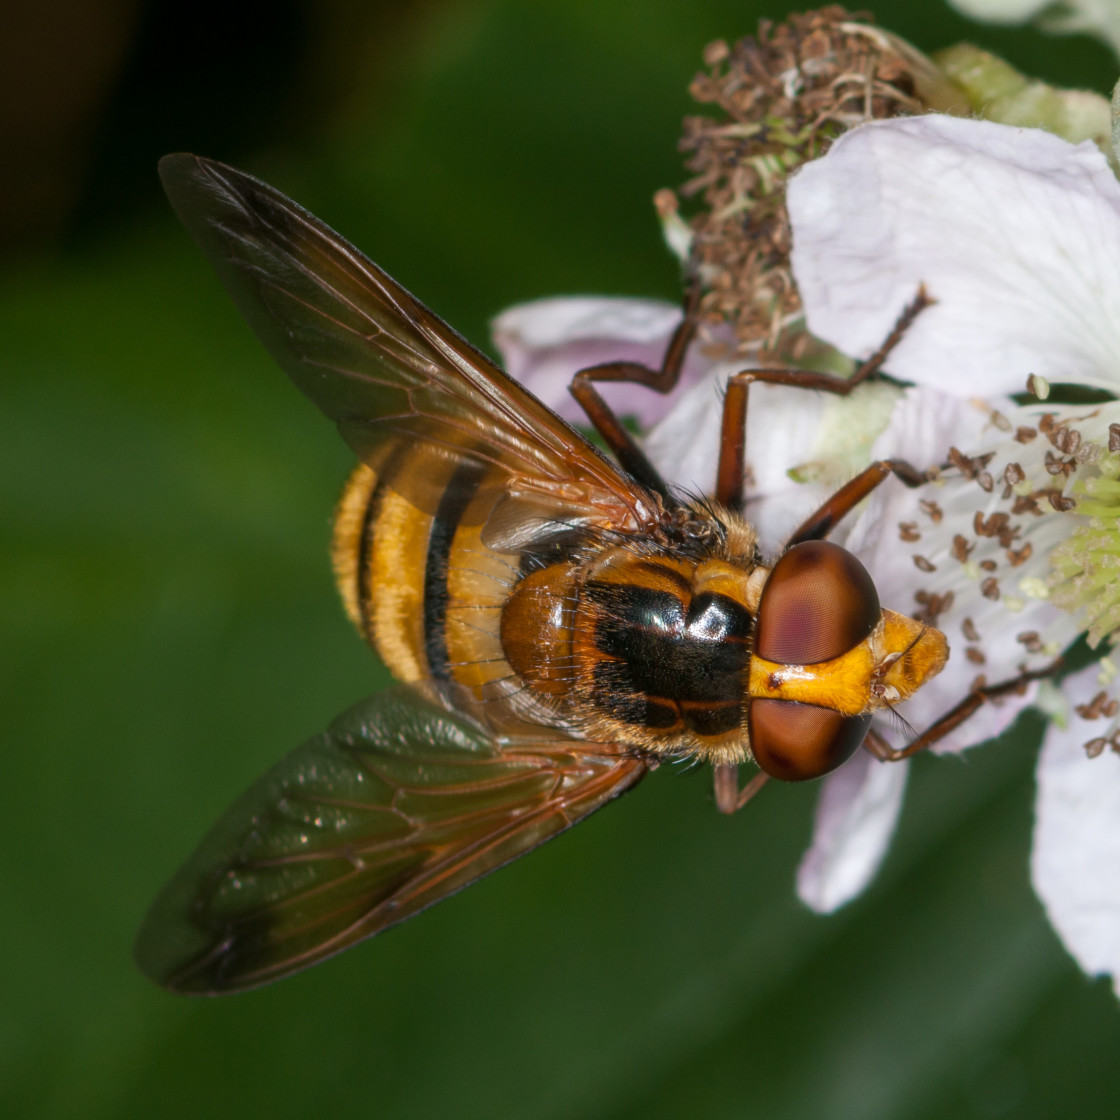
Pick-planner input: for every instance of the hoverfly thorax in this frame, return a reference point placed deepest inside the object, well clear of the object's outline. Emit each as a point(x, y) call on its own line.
point(646, 642)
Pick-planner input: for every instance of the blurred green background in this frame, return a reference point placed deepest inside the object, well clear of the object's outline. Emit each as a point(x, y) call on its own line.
point(170, 626)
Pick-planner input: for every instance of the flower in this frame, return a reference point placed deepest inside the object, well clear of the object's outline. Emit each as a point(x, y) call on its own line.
point(1015, 234)
point(1012, 551)
point(1075, 857)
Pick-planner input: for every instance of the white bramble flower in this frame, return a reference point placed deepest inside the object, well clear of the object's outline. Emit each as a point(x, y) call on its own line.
point(1013, 550)
point(1016, 234)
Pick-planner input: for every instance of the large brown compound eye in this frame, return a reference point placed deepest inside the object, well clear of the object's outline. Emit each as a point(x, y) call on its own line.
point(796, 742)
point(818, 603)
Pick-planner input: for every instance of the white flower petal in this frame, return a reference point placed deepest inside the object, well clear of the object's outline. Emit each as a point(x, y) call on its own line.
point(822, 439)
point(545, 342)
point(544, 323)
point(1000, 11)
point(856, 818)
point(1015, 232)
point(1075, 861)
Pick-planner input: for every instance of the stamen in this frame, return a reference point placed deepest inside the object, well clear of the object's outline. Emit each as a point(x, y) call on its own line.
point(1022, 524)
point(1085, 568)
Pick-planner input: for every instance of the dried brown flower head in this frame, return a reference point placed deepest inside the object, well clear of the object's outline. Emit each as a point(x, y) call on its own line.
point(783, 97)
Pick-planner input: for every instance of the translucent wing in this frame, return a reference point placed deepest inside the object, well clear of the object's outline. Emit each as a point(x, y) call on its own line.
point(399, 804)
point(377, 361)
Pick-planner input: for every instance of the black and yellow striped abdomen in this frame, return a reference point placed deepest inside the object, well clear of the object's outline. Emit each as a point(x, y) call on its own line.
point(420, 585)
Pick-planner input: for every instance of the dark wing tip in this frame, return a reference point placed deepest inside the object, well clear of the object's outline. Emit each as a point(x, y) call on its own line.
point(170, 952)
point(173, 165)
point(183, 172)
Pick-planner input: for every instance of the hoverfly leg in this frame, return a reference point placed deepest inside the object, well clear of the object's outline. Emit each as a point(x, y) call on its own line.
point(662, 380)
point(733, 431)
point(819, 524)
point(952, 719)
point(910, 312)
point(630, 456)
point(733, 442)
point(729, 797)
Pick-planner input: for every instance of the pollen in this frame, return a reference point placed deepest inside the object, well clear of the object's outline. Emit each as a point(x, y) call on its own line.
point(1085, 569)
point(1027, 524)
point(1102, 706)
point(1054, 519)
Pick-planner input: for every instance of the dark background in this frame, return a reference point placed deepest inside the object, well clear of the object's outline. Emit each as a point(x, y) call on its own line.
point(169, 625)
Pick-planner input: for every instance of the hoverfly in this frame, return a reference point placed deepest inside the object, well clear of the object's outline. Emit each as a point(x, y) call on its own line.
point(558, 624)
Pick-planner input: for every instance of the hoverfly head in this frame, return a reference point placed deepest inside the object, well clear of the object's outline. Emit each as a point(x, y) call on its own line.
point(825, 657)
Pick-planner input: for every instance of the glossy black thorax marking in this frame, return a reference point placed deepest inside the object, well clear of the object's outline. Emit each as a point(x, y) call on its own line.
point(667, 660)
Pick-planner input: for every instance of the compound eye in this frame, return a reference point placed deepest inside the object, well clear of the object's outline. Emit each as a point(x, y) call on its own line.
point(818, 603)
point(796, 742)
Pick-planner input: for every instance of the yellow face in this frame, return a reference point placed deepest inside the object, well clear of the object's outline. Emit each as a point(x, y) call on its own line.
point(825, 658)
point(888, 666)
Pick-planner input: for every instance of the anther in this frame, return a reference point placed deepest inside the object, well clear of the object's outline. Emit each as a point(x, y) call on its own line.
point(961, 548)
point(1061, 503)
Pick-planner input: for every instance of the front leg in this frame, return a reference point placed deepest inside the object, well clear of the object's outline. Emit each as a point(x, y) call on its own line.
point(952, 719)
point(733, 429)
point(663, 380)
point(819, 524)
